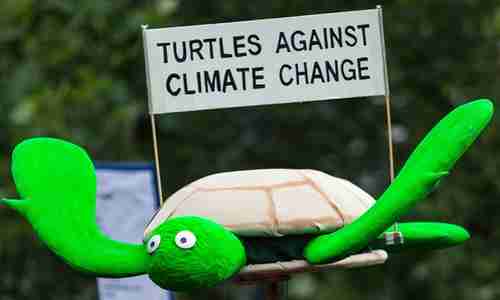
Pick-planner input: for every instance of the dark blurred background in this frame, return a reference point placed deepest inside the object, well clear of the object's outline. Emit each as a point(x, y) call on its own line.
point(75, 70)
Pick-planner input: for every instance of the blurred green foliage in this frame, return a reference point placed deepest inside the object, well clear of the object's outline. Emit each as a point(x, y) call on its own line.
point(75, 70)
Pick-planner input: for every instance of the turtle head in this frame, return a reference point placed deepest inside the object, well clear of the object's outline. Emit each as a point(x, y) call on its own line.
point(192, 252)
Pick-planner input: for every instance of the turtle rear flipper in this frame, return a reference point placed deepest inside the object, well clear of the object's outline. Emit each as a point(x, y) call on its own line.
point(421, 236)
point(57, 184)
point(428, 164)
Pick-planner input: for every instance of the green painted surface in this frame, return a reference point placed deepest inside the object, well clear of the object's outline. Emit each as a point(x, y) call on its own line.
point(425, 236)
point(217, 255)
point(57, 183)
point(429, 163)
point(418, 236)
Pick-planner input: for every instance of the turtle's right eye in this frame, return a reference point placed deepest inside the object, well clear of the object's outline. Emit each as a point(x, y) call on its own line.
point(154, 243)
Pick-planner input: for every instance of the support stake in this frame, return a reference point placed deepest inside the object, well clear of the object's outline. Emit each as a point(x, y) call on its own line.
point(157, 158)
point(389, 136)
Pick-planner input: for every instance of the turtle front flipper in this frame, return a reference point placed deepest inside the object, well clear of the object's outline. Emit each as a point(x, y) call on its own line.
point(429, 162)
point(421, 236)
point(57, 183)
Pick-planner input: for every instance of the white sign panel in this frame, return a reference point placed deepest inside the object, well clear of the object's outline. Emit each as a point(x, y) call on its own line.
point(294, 59)
point(126, 201)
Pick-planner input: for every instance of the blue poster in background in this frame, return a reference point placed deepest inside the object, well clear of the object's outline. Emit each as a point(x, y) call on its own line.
point(126, 200)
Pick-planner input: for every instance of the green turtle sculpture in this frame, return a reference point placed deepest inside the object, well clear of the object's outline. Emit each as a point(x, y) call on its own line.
point(199, 238)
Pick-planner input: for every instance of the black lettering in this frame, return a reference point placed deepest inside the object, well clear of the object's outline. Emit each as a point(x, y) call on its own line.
point(186, 86)
point(362, 68)
point(301, 42)
point(299, 73)
point(325, 37)
point(317, 73)
point(214, 83)
point(195, 47)
point(363, 31)
point(314, 40)
point(253, 40)
point(198, 81)
point(179, 58)
point(210, 46)
point(165, 52)
point(243, 72)
point(168, 84)
point(282, 43)
point(238, 45)
point(351, 73)
point(256, 77)
point(337, 36)
point(349, 31)
point(283, 82)
point(228, 81)
point(222, 53)
point(331, 71)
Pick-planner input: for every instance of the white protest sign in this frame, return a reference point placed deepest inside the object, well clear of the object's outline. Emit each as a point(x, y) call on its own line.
point(293, 59)
point(126, 201)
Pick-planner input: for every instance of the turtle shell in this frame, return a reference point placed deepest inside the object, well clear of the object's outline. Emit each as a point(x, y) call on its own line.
point(269, 202)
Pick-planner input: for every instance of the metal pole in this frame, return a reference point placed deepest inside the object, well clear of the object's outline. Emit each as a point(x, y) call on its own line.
point(275, 288)
point(387, 95)
point(389, 136)
point(387, 102)
point(273, 291)
point(157, 158)
point(152, 117)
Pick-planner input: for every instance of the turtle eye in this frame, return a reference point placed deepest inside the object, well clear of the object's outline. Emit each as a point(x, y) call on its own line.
point(154, 243)
point(185, 239)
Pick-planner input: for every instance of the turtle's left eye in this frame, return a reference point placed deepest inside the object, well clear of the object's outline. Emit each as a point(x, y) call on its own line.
point(154, 243)
point(185, 239)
